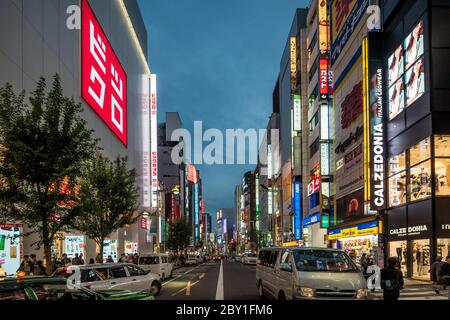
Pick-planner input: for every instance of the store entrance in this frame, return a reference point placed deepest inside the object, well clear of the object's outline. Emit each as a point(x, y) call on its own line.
point(413, 256)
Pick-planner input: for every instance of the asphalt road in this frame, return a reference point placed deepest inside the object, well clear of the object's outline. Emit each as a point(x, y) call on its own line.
point(226, 280)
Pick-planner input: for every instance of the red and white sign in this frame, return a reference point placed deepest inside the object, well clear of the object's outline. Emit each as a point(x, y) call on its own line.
point(324, 77)
point(144, 223)
point(192, 174)
point(103, 80)
point(154, 139)
point(146, 172)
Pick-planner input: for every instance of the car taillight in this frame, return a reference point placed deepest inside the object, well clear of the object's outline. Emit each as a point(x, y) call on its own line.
point(88, 286)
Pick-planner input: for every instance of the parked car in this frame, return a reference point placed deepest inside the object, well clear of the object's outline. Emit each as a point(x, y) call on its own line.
point(191, 260)
point(217, 258)
point(249, 258)
point(308, 273)
point(55, 288)
point(113, 276)
point(157, 263)
point(237, 257)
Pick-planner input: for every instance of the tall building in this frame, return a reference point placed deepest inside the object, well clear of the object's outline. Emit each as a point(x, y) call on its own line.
point(407, 88)
point(316, 104)
point(354, 226)
point(38, 41)
point(226, 226)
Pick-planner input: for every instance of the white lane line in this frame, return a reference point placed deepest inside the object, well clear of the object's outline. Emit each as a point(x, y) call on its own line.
point(174, 278)
point(219, 292)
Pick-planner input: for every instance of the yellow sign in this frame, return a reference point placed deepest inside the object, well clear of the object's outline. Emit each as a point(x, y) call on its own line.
point(340, 11)
point(357, 231)
point(293, 42)
point(290, 244)
point(324, 34)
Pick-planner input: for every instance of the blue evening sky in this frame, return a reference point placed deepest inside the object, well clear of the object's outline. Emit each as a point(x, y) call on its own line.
point(217, 61)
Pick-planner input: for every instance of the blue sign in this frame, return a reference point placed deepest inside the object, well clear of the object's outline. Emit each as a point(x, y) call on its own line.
point(297, 211)
point(310, 220)
point(358, 12)
point(196, 217)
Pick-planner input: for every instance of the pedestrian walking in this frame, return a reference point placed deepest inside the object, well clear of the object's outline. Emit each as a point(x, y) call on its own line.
point(65, 261)
point(444, 274)
point(81, 260)
point(25, 265)
point(434, 273)
point(391, 280)
point(76, 260)
point(122, 258)
point(39, 269)
point(91, 261)
point(98, 258)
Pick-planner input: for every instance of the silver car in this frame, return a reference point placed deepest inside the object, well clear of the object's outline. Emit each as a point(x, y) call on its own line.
point(308, 273)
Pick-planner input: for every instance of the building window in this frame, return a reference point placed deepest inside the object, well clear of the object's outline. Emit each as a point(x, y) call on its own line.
point(442, 170)
point(314, 122)
point(314, 147)
point(420, 181)
point(420, 152)
point(397, 180)
point(397, 189)
point(442, 146)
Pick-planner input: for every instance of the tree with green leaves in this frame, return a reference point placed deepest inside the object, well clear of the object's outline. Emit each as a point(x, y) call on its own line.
point(44, 145)
point(108, 198)
point(179, 235)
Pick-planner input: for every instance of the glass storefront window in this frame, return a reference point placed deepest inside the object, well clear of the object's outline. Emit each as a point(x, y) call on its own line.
point(397, 189)
point(442, 171)
point(397, 164)
point(421, 259)
point(420, 152)
point(442, 146)
point(420, 181)
point(443, 248)
point(399, 250)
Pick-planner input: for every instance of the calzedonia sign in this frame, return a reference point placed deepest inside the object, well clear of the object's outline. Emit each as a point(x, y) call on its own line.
point(377, 148)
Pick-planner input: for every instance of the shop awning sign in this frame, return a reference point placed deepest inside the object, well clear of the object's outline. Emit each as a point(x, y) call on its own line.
point(364, 229)
point(313, 219)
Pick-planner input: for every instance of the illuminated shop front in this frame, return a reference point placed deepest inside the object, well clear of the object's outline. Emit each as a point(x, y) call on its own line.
point(359, 239)
point(411, 235)
point(315, 231)
point(11, 248)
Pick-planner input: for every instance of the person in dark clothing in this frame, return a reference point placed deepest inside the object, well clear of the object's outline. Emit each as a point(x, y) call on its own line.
point(39, 269)
point(444, 274)
point(391, 280)
point(434, 273)
point(91, 261)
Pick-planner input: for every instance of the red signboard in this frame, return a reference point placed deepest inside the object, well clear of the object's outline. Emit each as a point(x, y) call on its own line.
point(352, 106)
point(103, 80)
point(192, 174)
point(324, 74)
point(144, 223)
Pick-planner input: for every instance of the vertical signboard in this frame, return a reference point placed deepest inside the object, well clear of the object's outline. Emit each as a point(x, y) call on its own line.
point(196, 213)
point(324, 37)
point(154, 139)
point(375, 110)
point(257, 204)
point(297, 113)
point(293, 47)
point(324, 77)
point(297, 211)
point(103, 79)
point(146, 172)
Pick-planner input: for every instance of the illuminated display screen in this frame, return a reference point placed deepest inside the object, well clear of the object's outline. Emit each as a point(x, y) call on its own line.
point(406, 72)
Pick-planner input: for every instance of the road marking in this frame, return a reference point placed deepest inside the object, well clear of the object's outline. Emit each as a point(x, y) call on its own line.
point(189, 270)
point(188, 289)
point(174, 278)
point(201, 276)
point(185, 288)
point(219, 292)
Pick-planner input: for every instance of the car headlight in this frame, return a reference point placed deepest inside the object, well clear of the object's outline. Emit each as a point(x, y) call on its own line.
point(361, 294)
point(306, 292)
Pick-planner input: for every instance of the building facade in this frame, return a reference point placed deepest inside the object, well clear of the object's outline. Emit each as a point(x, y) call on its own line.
point(39, 41)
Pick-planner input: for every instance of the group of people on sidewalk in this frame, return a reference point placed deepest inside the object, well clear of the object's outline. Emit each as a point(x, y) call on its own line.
point(392, 278)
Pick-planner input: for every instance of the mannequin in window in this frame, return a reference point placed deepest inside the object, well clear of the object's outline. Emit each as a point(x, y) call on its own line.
point(420, 259)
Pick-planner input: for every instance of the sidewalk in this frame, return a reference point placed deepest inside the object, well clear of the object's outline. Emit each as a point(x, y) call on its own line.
point(415, 290)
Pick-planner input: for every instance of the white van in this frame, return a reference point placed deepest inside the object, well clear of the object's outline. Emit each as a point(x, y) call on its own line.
point(308, 273)
point(157, 263)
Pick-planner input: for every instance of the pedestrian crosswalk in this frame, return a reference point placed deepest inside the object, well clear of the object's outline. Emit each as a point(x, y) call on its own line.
point(424, 292)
